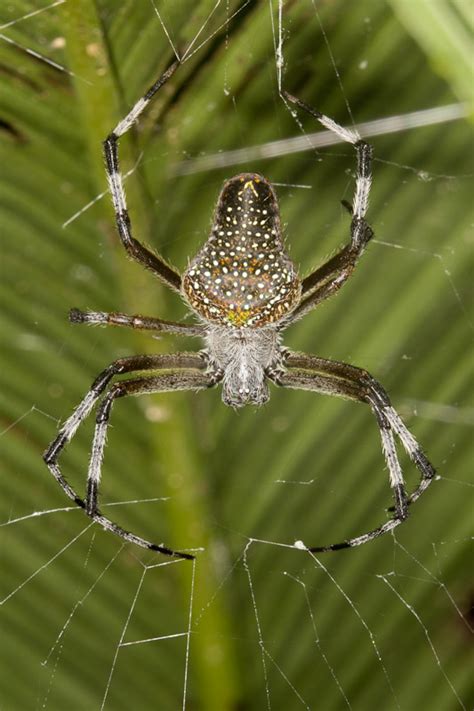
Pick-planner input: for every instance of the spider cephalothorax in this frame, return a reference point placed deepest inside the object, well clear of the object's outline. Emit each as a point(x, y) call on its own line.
point(242, 357)
point(245, 291)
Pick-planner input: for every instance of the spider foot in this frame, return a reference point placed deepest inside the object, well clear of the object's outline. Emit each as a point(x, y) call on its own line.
point(91, 317)
point(77, 316)
point(109, 525)
point(360, 540)
point(302, 105)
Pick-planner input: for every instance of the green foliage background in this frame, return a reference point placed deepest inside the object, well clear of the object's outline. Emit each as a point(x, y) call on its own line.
point(302, 630)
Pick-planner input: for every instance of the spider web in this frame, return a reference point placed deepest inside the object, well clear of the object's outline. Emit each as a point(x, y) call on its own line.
point(254, 620)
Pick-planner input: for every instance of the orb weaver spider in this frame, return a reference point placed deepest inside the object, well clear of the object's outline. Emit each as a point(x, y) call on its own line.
point(244, 290)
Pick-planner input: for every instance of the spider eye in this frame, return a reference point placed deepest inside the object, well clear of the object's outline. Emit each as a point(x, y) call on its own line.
point(243, 275)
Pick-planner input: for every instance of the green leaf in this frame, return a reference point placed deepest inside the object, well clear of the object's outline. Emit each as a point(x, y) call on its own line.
point(381, 625)
point(444, 30)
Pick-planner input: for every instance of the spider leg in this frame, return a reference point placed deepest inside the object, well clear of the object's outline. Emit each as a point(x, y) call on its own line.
point(136, 321)
point(118, 367)
point(376, 395)
point(329, 278)
point(69, 428)
point(318, 377)
point(171, 381)
point(333, 378)
point(414, 451)
point(136, 250)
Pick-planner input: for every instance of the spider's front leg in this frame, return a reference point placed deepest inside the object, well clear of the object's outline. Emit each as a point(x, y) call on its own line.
point(134, 248)
point(329, 278)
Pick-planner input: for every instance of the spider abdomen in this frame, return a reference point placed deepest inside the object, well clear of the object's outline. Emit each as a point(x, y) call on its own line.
point(243, 276)
point(243, 356)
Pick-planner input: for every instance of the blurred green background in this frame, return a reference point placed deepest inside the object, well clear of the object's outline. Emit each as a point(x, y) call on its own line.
point(386, 625)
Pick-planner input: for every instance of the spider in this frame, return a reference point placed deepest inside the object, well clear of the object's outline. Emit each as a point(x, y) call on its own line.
point(245, 291)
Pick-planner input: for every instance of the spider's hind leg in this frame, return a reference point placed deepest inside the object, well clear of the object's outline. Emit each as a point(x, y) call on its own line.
point(308, 372)
point(397, 482)
point(189, 379)
point(185, 371)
